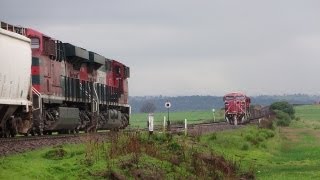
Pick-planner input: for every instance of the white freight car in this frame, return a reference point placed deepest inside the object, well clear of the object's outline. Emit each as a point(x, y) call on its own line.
point(15, 83)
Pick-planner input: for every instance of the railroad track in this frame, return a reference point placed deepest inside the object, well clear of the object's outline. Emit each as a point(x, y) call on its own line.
point(33, 138)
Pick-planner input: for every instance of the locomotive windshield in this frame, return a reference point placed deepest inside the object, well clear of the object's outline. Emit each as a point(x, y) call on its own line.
point(228, 98)
point(239, 97)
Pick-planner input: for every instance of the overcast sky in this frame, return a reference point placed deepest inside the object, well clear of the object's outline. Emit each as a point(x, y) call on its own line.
point(184, 47)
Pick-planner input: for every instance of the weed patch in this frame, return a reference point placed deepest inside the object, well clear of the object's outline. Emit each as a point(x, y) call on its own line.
point(57, 153)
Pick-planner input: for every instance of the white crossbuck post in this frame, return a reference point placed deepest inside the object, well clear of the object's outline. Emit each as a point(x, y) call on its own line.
point(185, 127)
point(150, 123)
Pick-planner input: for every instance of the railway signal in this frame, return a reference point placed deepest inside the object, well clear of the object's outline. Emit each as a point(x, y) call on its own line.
point(168, 105)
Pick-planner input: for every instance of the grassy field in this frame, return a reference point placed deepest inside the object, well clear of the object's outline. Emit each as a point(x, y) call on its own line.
point(140, 119)
point(292, 153)
point(126, 157)
point(283, 153)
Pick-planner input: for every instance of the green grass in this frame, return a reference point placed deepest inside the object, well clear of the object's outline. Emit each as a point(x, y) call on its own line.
point(140, 119)
point(308, 112)
point(308, 117)
point(284, 153)
point(160, 156)
point(293, 153)
point(34, 165)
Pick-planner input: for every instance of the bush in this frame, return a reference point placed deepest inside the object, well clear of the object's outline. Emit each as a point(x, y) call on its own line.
point(282, 122)
point(174, 147)
point(266, 133)
point(282, 118)
point(263, 145)
point(213, 136)
point(160, 138)
point(258, 137)
point(56, 153)
point(284, 107)
point(245, 146)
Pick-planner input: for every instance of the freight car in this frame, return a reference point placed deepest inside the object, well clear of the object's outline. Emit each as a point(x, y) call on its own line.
point(237, 108)
point(72, 89)
point(15, 103)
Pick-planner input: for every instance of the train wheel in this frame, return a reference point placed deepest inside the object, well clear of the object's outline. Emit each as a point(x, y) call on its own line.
point(235, 120)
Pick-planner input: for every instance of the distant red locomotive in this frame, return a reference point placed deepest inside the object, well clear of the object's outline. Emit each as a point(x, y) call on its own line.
point(74, 89)
point(237, 108)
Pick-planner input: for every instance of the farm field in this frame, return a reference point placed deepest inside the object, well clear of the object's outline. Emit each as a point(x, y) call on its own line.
point(284, 153)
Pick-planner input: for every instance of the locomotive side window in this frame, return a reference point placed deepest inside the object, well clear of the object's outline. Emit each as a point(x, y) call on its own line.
point(118, 70)
point(127, 72)
point(35, 43)
point(108, 66)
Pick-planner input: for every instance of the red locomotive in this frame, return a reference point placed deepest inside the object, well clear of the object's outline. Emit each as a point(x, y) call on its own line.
point(237, 108)
point(72, 88)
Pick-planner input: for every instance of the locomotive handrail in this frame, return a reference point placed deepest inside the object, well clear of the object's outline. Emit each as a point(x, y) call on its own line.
point(16, 29)
point(97, 98)
point(35, 91)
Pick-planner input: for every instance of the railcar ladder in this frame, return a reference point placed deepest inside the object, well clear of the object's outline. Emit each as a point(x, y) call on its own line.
point(36, 92)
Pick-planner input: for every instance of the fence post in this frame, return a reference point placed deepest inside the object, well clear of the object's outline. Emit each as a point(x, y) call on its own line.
point(150, 123)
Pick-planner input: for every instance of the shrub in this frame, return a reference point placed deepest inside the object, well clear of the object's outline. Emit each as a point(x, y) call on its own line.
point(251, 138)
point(282, 118)
point(213, 136)
point(174, 146)
point(260, 138)
point(56, 153)
point(263, 145)
point(266, 133)
point(245, 146)
point(284, 107)
point(267, 124)
point(160, 138)
point(283, 122)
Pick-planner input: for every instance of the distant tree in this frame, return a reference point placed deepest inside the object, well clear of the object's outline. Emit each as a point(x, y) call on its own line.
point(148, 107)
point(284, 112)
point(284, 107)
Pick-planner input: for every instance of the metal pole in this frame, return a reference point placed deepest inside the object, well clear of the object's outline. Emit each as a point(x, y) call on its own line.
point(168, 121)
point(164, 123)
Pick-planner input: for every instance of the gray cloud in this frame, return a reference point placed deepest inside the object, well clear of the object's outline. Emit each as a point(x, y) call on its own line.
point(185, 47)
